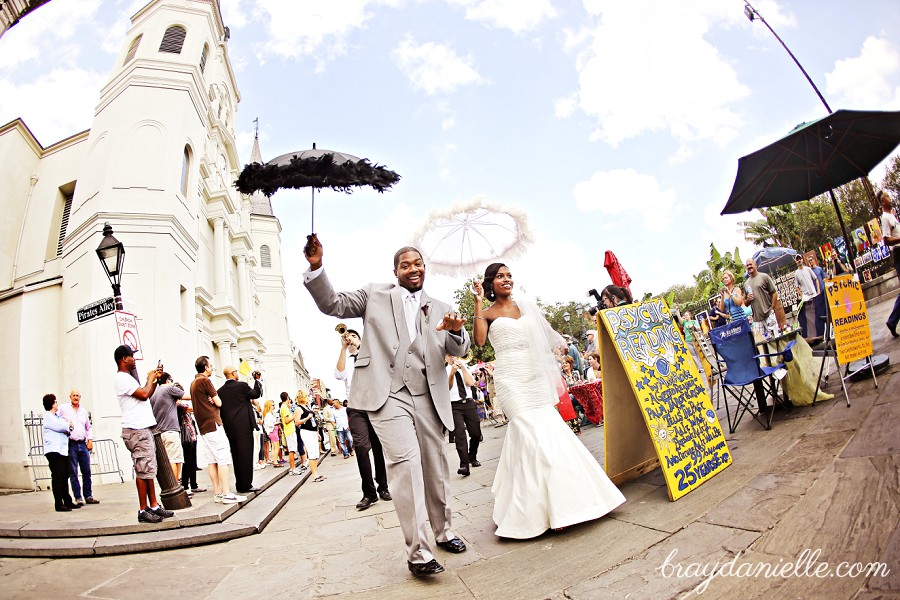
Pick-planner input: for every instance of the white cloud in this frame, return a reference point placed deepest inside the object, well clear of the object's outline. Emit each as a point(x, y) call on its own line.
point(43, 35)
point(433, 67)
point(52, 115)
point(310, 29)
point(516, 15)
point(626, 192)
point(864, 81)
point(235, 13)
point(647, 68)
point(111, 35)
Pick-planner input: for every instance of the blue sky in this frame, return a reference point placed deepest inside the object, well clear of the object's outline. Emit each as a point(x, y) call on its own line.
point(613, 124)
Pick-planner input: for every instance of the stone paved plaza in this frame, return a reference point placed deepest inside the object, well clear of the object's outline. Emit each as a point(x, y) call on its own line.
point(825, 478)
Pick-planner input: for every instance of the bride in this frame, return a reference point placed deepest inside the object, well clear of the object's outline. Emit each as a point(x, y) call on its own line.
point(546, 477)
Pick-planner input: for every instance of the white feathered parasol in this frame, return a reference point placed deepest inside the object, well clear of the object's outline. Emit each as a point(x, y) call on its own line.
point(462, 240)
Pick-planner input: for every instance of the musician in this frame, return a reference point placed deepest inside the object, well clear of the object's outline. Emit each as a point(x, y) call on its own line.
point(364, 436)
point(465, 414)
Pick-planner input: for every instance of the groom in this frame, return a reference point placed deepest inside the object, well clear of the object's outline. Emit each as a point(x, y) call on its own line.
point(399, 379)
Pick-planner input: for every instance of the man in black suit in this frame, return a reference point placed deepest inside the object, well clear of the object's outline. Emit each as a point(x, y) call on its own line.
point(239, 422)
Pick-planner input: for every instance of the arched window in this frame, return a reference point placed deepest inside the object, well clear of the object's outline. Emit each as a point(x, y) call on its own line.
point(265, 257)
point(173, 39)
point(203, 57)
point(185, 170)
point(132, 49)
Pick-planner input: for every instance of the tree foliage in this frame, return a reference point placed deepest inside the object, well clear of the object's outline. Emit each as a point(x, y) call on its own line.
point(554, 313)
point(708, 280)
point(465, 300)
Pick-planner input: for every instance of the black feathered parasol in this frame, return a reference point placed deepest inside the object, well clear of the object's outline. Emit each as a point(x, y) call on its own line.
point(316, 169)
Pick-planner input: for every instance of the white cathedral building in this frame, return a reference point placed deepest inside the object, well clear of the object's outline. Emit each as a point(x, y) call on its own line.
point(202, 269)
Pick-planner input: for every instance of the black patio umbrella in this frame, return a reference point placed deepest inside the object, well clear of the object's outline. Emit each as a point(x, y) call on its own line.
point(814, 158)
point(316, 169)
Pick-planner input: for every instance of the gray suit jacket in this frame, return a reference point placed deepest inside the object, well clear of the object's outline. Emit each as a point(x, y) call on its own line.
point(381, 307)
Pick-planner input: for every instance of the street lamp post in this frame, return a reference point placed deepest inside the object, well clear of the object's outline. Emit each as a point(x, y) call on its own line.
point(579, 310)
point(753, 14)
point(112, 256)
point(111, 253)
point(566, 317)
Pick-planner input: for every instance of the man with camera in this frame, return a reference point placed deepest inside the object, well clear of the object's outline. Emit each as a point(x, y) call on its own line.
point(239, 421)
point(364, 436)
point(137, 422)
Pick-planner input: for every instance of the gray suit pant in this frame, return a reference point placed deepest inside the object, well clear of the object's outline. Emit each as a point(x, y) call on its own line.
point(411, 435)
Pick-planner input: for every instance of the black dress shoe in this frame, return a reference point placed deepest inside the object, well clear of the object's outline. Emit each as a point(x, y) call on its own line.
point(464, 470)
point(455, 545)
point(475, 463)
point(72, 506)
point(366, 503)
point(63, 509)
point(432, 567)
point(385, 495)
point(253, 489)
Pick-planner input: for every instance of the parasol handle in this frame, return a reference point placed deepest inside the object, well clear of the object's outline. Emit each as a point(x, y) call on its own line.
point(312, 218)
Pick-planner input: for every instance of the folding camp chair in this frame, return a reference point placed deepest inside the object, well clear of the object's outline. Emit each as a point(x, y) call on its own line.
point(736, 348)
point(707, 354)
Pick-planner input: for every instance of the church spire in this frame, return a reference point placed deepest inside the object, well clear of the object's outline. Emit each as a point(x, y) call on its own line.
point(260, 204)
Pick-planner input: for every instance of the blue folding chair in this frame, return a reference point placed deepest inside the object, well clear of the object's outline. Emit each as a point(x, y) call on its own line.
point(736, 350)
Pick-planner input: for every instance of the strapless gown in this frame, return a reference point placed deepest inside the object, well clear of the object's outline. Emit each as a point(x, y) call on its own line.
point(546, 477)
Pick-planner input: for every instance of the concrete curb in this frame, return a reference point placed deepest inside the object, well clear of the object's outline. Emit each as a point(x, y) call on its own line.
point(213, 523)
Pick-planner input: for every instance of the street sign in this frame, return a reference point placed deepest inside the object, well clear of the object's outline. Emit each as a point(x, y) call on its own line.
point(98, 309)
point(128, 332)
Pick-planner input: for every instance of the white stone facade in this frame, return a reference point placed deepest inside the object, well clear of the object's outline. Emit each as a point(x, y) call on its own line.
point(157, 164)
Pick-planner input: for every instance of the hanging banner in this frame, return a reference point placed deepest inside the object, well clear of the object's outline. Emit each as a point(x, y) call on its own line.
point(849, 317)
point(651, 385)
point(128, 333)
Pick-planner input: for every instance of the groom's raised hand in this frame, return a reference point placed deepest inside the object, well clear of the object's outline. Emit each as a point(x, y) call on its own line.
point(313, 252)
point(452, 322)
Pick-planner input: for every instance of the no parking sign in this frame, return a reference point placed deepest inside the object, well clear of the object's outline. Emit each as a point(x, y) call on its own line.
point(128, 332)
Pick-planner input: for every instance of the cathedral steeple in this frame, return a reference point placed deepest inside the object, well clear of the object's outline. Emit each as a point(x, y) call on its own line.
point(259, 203)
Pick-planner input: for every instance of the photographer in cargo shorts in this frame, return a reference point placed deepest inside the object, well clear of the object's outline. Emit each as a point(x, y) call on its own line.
point(137, 424)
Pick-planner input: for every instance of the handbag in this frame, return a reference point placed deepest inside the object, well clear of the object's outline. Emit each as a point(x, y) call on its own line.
point(311, 424)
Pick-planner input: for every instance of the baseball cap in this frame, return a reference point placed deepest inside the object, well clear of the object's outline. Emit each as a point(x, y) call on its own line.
point(123, 351)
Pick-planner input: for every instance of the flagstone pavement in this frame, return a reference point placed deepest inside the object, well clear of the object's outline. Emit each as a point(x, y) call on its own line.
point(822, 487)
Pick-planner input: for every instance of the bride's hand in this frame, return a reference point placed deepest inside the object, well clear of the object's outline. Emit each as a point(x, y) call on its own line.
point(477, 290)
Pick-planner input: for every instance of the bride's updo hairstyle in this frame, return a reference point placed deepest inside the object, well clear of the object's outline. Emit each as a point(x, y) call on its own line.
point(489, 274)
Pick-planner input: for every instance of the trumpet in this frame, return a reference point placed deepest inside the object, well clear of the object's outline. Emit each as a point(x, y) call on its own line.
point(342, 330)
point(468, 357)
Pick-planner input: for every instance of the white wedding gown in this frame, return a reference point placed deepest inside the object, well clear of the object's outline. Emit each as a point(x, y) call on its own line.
point(546, 477)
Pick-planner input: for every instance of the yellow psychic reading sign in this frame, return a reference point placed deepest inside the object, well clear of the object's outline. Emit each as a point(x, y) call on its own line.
point(651, 385)
point(849, 318)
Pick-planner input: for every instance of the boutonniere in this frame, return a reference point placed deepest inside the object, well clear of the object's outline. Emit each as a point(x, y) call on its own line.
point(425, 311)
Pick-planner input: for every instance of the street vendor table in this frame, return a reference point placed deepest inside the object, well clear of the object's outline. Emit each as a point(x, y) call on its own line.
point(590, 395)
point(800, 382)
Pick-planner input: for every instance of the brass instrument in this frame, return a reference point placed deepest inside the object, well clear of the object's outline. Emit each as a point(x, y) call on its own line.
point(342, 329)
point(468, 357)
